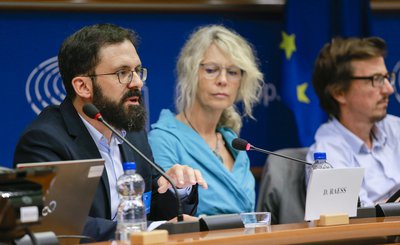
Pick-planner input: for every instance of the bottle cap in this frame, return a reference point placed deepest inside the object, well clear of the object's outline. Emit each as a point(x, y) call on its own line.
point(319, 156)
point(129, 166)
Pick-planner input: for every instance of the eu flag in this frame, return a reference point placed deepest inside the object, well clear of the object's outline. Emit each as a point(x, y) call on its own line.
point(309, 24)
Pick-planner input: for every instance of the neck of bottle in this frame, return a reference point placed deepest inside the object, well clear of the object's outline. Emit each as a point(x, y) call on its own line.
point(130, 171)
point(321, 164)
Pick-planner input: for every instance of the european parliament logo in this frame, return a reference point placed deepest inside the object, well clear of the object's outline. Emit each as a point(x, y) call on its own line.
point(269, 94)
point(396, 70)
point(44, 87)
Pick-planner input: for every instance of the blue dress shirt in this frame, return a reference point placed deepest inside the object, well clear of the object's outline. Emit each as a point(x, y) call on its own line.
point(381, 162)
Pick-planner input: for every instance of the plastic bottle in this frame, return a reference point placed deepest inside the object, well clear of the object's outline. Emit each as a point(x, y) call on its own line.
point(131, 214)
point(320, 161)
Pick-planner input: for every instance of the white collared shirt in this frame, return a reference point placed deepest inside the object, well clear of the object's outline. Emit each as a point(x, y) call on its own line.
point(111, 154)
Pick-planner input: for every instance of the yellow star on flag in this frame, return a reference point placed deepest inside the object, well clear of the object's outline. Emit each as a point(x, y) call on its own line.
point(288, 44)
point(301, 93)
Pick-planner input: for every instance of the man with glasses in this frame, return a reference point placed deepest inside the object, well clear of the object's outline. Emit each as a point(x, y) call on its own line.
point(99, 64)
point(353, 86)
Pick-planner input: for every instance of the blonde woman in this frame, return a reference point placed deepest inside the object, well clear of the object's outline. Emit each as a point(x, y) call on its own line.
point(217, 68)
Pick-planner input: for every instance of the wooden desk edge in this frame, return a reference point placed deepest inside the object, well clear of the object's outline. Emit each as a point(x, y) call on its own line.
point(296, 233)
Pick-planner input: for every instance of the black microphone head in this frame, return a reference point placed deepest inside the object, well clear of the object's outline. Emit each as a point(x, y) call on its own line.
point(240, 144)
point(91, 111)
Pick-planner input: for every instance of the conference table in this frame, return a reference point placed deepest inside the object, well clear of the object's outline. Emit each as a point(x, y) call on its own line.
point(359, 231)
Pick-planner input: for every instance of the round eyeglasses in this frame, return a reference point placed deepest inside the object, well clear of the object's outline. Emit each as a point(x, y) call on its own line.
point(212, 71)
point(378, 80)
point(125, 76)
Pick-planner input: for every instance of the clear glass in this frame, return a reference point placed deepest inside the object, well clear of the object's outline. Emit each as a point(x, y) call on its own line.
point(256, 219)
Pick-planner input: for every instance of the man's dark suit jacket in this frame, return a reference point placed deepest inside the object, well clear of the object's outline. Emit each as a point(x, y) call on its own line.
point(59, 134)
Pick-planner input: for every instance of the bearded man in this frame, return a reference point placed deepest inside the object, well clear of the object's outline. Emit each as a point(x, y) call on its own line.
point(99, 65)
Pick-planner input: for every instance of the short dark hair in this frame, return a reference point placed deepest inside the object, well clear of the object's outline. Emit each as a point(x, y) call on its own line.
point(79, 53)
point(332, 70)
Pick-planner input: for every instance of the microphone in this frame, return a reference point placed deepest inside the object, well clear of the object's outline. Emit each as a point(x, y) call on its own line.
point(91, 111)
point(243, 145)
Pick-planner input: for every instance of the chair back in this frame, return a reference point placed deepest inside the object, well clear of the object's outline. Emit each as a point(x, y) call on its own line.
point(283, 189)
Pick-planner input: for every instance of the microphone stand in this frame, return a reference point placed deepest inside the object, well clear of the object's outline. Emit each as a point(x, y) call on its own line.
point(180, 212)
point(276, 154)
point(173, 228)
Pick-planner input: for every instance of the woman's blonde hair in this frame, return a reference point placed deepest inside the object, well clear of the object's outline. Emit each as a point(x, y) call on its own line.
point(242, 55)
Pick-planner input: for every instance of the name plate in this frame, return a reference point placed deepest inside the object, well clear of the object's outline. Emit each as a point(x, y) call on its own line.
point(333, 191)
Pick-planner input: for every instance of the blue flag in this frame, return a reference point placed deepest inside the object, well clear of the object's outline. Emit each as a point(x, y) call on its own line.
point(310, 24)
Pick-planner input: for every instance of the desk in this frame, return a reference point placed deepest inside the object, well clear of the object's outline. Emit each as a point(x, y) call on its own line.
point(358, 229)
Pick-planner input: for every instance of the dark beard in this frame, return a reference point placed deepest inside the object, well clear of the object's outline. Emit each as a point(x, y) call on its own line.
point(132, 118)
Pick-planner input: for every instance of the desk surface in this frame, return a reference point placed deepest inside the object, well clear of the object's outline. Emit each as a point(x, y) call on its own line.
point(364, 231)
point(358, 229)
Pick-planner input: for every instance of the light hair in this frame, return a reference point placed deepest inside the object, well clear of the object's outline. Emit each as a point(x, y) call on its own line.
point(242, 55)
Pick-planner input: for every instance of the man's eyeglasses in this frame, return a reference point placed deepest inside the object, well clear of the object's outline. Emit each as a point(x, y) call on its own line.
point(379, 80)
point(212, 71)
point(126, 76)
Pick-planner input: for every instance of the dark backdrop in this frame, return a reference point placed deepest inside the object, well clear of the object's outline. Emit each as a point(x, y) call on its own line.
point(29, 41)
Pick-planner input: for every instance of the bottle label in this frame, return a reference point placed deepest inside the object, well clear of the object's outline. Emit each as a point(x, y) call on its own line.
point(147, 201)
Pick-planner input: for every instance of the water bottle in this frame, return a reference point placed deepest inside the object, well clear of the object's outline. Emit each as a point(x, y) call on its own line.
point(320, 161)
point(131, 214)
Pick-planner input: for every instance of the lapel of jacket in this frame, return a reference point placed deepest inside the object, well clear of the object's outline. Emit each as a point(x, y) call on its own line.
point(84, 141)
